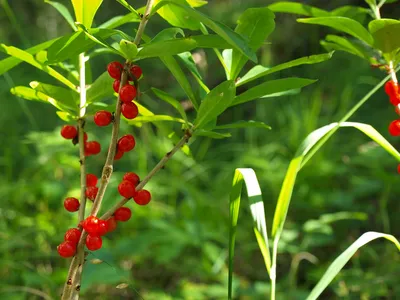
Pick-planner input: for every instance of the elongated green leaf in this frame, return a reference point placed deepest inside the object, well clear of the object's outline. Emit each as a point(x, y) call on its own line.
point(65, 116)
point(102, 42)
point(28, 58)
point(297, 162)
point(298, 8)
point(215, 103)
point(68, 98)
point(197, 3)
point(175, 15)
point(344, 25)
point(176, 70)
point(335, 42)
point(168, 34)
point(256, 24)
point(257, 211)
point(86, 10)
point(212, 134)
point(100, 88)
point(244, 124)
point(342, 260)
point(128, 7)
point(188, 61)
point(222, 30)
point(120, 20)
point(260, 71)
point(272, 87)
point(170, 100)
point(155, 119)
point(386, 34)
point(356, 13)
point(64, 12)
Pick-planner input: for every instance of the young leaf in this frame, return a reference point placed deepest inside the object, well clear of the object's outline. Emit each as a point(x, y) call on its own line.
point(28, 58)
point(212, 134)
point(257, 211)
point(170, 100)
point(129, 49)
point(64, 12)
point(255, 24)
point(342, 24)
point(85, 11)
point(298, 8)
point(386, 34)
point(215, 103)
point(343, 258)
point(100, 88)
point(260, 71)
point(244, 124)
point(129, 7)
point(272, 87)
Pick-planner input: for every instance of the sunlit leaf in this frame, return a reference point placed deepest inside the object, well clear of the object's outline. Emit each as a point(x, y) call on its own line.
point(64, 12)
point(85, 10)
point(298, 8)
point(386, 34)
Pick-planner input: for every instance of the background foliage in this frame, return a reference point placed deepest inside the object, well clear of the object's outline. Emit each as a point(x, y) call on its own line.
point(177, 247)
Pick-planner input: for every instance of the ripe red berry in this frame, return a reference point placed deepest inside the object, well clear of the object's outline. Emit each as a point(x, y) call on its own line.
point(391, 88)
point(122, 214)
point(127, 93)
point(126, 143)
point(93, 242)
point(394, 128)
point(111, 224)
point(136, 71)
point(115, 69)
point(66, 249)
point(129, 110)
point(91, 180)
point(142, 197)
point(116, 85)
point(71, 204)
point(395, 99)
point(69, 132)
point(126, 189)
point(398, 168)
point(118, 154)
point(92, 148)
point(102, 118)
point(132, 177)
point(73, 235)
point(103, 228)
point(91, 192)
point(91, 225)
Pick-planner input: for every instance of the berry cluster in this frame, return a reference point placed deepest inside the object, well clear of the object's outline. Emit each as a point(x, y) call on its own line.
point(95, 227)
point(392, 90)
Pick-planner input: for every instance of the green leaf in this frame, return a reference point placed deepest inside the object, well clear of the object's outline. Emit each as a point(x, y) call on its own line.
point(298, 8)
point(129, 49)
point(65, 116)
point(64, 12)
point(155, 119)
point(244, 124)
point(260, 71)
point(172, 101)
point(356, 13)
point(212, 134)
point(28, 58)
point(120, 20)
point(344, 25)
point(86, 10)
point(129, 7)
point(101, 41)
point(335, 42)
point(197, 3)
point(68, 98)
point(187, 59)
point(258, 214)
point(175, 15)
point(100, 88)
point(222, 30)
point(215, 103)
point(272, 87)
point(176, 70)
point(338, 264)
point(386, 34)
point(168, 34)
point(256, 24)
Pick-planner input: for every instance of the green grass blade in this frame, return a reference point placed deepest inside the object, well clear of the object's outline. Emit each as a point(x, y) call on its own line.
point(341, 261)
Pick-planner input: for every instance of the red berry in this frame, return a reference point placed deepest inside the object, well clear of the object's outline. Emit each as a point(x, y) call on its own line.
point(118, 154)
point(92, 148)
point(116, 85)
point(91, 180)
point(132, 177)
point(69, 132)
point(398, 168)
point(395, 99)
point(73, 235)
point(91, 225)
point(127, 93)
point(102, 118)
point(129, 110)
point(71, 204)
point(126, 143)
point(122, 214)
point(93, 242)
point(66, 249)
point(115, 69)
point(136, 71)
point(142, 197)
point(91, 192)
point(394, 128)
point(126, 189)
point(111, 224)
point(103, 227)
point(391, 88)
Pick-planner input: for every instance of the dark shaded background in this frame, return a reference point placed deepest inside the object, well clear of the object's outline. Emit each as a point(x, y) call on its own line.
point(176, 247)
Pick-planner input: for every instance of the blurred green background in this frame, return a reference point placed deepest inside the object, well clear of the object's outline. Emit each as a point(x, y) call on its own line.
point(176, 247)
